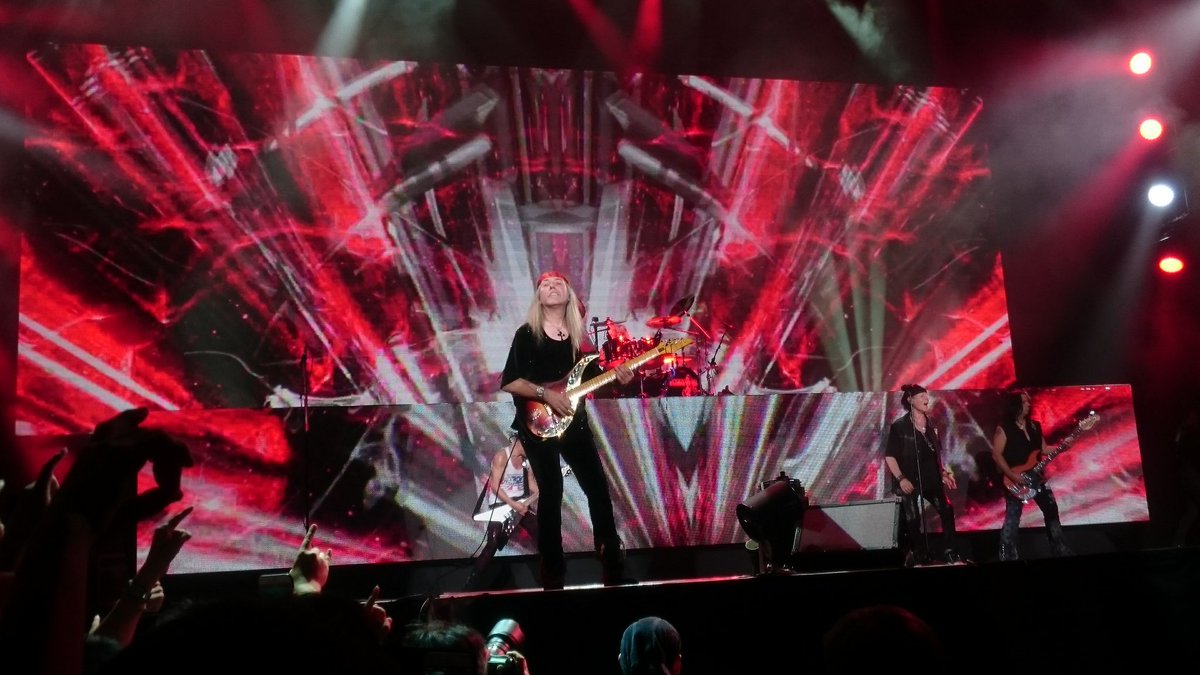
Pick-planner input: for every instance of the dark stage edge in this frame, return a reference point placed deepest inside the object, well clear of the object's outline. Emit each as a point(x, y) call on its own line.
point(1081, 613)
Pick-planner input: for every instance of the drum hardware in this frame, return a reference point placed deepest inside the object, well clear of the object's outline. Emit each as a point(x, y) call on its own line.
point(660, 322)
point(680, 308)
point(669, 375)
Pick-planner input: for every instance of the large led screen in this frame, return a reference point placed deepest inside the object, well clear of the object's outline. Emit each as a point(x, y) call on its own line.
point(229, 230)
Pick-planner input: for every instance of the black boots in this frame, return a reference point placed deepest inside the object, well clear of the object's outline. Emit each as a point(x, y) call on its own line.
point(612, 556)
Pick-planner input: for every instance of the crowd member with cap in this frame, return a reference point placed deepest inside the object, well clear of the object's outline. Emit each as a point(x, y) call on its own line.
point(650, 646)
point(544, 350)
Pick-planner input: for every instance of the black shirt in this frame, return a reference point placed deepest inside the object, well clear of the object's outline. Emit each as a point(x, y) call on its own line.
point(908, 447)
point(1017, 448)
point(541, 363)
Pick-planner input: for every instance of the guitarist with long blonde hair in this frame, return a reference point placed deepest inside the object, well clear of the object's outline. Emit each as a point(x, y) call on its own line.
point(1018, 442)
point(544, 350)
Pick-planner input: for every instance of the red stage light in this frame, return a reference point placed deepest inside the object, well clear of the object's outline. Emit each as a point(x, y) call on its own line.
point(1140, 63)
point(1150, 129)
point(1170, 264)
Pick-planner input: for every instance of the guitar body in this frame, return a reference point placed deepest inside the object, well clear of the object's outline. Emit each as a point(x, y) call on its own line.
point(1033, 483)
point(540, 419)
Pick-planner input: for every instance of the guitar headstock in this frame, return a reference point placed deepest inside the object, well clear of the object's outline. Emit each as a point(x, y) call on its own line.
point(674, 345)
point(1090, 421)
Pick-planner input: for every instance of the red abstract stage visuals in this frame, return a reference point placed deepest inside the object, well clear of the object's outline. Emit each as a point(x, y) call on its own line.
point(223, 236)
point(205, 220)
point(402, 483)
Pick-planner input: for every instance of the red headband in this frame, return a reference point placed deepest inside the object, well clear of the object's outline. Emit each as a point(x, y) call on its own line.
point(552, 275)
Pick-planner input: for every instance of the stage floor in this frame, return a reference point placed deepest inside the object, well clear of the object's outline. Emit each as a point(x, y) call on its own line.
point(1087, 612)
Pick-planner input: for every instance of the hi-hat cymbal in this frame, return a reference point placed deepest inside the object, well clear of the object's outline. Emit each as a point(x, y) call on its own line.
point(682, 306)
point(664, 321)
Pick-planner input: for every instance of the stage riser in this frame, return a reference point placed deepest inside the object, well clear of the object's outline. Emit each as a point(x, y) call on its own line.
point(1135, 605)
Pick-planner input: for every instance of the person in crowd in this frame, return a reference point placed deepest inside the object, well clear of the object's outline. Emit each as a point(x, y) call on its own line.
point(650, 646)
point(442, 648)
point(880, 638)
point(41, 631)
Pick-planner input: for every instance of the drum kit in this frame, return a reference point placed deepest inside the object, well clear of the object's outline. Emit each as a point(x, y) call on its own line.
point(690, 373)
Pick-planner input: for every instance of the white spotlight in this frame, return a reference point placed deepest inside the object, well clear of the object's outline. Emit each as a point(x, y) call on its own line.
point(1160, 195)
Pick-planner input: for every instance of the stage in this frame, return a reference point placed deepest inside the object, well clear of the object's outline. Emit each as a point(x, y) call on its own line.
point(1109, 604)
point(1088, 612)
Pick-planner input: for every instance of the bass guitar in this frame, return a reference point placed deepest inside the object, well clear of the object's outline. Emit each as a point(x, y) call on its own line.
point(1033, 479)
point(542, 421)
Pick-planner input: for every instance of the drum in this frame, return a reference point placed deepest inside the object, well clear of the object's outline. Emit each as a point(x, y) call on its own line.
point(680, 381)
point(620, 349)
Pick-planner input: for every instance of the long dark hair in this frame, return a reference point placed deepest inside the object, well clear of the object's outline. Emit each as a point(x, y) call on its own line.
point(1012, 405)
point(910, 390)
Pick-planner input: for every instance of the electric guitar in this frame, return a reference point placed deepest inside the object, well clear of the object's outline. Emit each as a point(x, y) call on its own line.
point(1033, 480)
point(505, 514)
point(542, 421)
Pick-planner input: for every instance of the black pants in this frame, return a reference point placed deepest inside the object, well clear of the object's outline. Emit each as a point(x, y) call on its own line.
point(910, 508)
point(578, 448)
point(1012, 521)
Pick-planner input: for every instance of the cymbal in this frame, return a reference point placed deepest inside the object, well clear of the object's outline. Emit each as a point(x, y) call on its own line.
point(664, 321)
point(682, 306)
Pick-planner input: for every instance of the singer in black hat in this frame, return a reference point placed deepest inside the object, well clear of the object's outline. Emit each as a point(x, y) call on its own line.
point(914, 459)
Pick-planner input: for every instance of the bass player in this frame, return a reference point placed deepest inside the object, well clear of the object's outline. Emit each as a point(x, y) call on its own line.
point(544, 349)
point(1018, 442)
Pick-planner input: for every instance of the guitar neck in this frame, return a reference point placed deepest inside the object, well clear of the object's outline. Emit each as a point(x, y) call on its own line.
point(602, 379)
point(1062, 447)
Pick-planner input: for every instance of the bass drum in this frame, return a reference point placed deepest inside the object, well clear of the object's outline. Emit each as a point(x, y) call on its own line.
point(681, 381)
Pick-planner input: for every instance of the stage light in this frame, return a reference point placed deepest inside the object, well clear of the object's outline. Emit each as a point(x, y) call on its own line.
point(1140, 63)
point(1161, 195)
point(1150, 129)
point(773, 518)
point(1170, 264)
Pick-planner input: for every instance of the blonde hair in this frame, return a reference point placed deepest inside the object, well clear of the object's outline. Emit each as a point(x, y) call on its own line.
point(573, 319)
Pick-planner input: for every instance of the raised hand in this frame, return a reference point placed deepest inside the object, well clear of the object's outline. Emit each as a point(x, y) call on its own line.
point(165, 544)
point(310, 571)
point(31, 503)
point(107, 467)
point(381, 623)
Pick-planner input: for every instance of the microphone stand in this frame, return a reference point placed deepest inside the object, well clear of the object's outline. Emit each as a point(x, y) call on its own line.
point(712, 363)
point(707, 338)
point(304, 438)
point(921, 483)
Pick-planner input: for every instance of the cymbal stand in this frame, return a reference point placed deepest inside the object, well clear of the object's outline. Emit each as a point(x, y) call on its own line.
point(705, 339)
point(712, 364)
